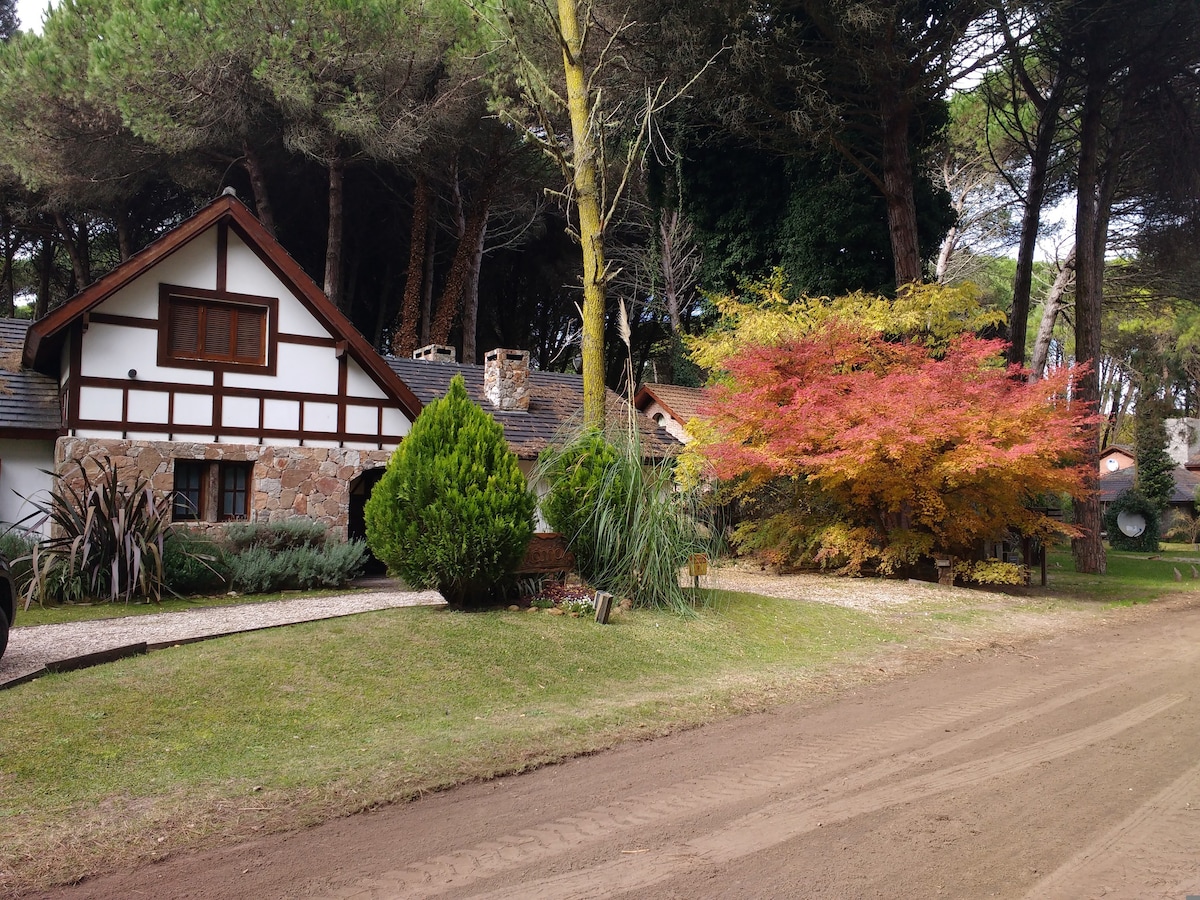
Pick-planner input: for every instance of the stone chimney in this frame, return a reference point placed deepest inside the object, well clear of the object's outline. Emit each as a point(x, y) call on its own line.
point(440, 352)
point(506, 379)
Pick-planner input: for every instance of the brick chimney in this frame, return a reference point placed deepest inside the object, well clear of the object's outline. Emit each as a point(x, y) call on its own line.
point(506, 379)
point(440, 352)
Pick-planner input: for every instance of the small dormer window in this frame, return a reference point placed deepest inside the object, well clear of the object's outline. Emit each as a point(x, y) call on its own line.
point(211, 329)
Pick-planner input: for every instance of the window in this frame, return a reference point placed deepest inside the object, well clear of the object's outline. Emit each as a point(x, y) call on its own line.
point(207, 328)
point(210, 491)
point(187, 502)
point(235, 490)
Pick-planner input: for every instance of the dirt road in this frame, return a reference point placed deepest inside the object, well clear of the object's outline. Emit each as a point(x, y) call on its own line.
point(1069, 768)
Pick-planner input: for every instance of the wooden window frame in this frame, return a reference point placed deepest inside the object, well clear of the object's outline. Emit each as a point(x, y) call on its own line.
point(214, 493)
point(194, 512)
point(245, 492)
point(170, 295)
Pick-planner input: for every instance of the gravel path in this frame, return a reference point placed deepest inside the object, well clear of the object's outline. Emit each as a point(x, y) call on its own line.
point(34, 650)
point(868, 594)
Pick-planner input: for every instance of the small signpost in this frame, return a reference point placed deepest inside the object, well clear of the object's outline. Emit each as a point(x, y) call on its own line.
point(697, 566)
point(603, 606)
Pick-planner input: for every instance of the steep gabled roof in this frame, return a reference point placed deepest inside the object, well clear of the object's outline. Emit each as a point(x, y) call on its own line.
point(555, 405)
point(683, 403)
point(29, 406)
point(45, 336)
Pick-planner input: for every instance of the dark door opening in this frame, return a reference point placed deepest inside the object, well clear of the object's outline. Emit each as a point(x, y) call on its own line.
point(360, 492)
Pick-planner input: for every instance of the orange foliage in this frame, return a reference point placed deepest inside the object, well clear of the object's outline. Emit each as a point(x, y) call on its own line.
point(948, 450)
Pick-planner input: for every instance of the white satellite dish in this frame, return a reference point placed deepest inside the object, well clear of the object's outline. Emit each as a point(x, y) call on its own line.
point(1132, 524)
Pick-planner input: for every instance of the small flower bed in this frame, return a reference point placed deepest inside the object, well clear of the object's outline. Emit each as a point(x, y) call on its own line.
point(574, 600)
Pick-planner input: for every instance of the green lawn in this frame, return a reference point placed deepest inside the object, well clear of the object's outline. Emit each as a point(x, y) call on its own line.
point(1131, 577)
point(231, 738)
point(289, 726)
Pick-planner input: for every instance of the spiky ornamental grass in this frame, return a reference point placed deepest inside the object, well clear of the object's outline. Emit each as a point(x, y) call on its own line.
point(631, 529)
point(453, 510)
point(107, 538)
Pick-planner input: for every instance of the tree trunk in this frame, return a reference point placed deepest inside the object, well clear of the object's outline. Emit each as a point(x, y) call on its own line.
point(949, 242)
point(404, 338)
point(42, 305)
point(8, 308)
point(587, 204)
point(72, 241)
point(470, 318)
point(1035, 196)
point(258, 184)
point(668, 230)
point(124, 244)
point(1089, 294)
point(898, 192)
point(1054, 303)
point(333, 245)
point(460, 271)
point(427, 288)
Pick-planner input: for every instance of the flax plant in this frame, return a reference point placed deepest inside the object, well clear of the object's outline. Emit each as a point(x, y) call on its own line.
point(106, 538)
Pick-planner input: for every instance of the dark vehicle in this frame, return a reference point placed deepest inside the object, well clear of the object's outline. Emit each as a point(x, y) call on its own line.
point(8, 603)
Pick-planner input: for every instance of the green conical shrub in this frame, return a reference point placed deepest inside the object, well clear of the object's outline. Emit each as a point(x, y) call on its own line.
point(453, 510)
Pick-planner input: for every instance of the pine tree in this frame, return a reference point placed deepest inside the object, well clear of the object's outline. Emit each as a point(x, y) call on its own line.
point(1155, 469)
point(453, 510)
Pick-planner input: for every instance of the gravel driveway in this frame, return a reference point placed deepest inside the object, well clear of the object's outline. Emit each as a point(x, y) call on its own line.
point(37, 649)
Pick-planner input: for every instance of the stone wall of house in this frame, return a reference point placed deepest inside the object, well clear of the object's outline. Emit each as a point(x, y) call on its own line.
point(286, 481)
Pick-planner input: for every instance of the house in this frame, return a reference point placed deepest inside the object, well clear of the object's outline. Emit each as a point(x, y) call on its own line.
point(213, 365)
point(670, 406)
point(1183, 497)
point(536, 408)
point(1116, 457)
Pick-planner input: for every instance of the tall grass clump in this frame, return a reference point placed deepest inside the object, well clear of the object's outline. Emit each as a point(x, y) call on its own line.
point(630, 528)
point(453, 510)
point(106, 538)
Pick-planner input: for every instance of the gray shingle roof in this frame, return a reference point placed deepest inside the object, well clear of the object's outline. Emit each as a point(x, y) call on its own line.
point(555, 405)
point(1113, 484)
point(28, 400)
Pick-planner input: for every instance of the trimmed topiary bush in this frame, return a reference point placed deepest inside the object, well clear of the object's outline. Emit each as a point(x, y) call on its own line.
point(1132, 501)
point(453, 510)
point(582, 476)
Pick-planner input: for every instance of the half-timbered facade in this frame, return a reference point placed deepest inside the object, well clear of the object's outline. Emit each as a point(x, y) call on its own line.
point(211, 363)
point(214, 366)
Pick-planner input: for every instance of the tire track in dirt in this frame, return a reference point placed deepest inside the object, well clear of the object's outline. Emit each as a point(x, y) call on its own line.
point(1154, 852)
point(780, 822)
point(782, 771)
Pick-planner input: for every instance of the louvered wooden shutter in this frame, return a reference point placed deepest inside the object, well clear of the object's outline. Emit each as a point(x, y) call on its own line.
point(218, 332)
point(185, 329)
point(251, 328)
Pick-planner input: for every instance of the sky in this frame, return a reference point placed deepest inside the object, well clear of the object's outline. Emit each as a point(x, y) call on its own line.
point(30, 13)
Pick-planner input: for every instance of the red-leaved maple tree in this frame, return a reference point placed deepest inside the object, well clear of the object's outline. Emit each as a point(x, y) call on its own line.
point(918, 453)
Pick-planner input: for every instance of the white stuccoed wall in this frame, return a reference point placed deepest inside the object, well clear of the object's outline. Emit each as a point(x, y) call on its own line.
point(21, 475)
